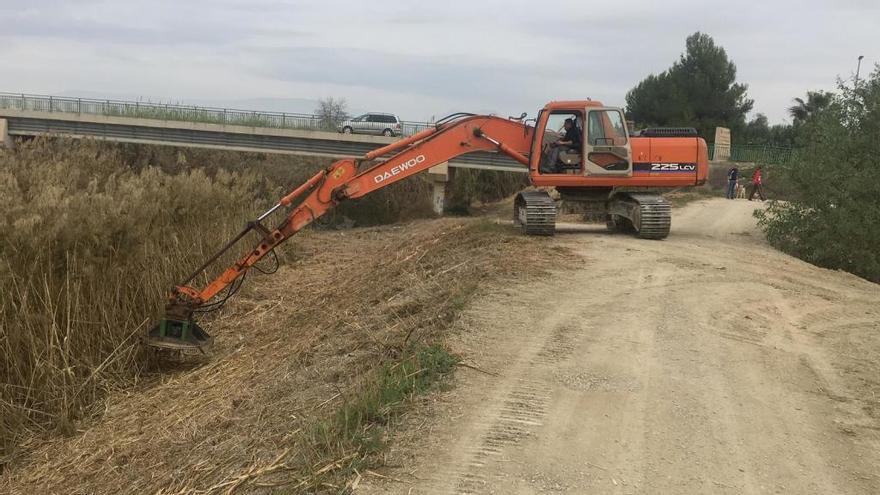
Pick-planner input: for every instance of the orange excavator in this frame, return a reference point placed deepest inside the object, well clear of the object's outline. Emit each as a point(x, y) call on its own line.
point(599, 164)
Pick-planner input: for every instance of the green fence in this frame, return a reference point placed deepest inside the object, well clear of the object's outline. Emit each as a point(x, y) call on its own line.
point(756, 153)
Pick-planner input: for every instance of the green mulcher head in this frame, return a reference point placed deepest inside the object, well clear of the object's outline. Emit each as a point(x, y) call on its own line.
point(177, 330)
point(179, 335)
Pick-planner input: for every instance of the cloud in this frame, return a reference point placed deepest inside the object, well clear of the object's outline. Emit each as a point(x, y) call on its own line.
point(451, 76)
point(421, 59)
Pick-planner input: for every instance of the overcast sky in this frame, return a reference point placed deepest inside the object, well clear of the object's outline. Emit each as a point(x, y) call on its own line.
point(419, 59)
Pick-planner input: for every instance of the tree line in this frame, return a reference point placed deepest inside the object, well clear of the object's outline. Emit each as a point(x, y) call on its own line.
point(833, 216)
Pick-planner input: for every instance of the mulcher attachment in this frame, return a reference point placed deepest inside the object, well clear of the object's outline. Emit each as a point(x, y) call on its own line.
point(179, 335)
point(178, 331)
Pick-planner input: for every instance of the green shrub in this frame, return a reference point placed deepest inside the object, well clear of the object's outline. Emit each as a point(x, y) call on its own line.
point(833, 217)
point(358, 422)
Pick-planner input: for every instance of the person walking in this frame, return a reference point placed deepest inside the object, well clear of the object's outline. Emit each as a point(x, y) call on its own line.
point(732, 176)
point(757, 185)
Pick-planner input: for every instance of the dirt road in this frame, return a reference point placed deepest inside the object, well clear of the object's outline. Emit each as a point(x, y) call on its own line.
point(705, 363)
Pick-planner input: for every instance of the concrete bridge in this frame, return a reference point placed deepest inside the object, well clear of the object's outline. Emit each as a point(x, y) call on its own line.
point(135, 122)
point(177, 125)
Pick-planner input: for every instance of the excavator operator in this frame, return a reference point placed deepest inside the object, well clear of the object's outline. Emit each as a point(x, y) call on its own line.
point(572, 140)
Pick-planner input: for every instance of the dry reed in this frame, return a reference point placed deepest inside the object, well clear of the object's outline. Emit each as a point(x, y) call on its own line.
point(88, 246)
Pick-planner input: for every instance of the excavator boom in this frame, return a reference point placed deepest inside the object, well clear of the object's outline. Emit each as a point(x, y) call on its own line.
point(345, 179)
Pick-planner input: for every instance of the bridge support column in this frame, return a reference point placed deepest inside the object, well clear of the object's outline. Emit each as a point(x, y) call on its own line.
point(439, 177)
point(5, 138)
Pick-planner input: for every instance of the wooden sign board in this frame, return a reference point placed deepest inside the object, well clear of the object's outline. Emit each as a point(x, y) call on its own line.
point(722, 144)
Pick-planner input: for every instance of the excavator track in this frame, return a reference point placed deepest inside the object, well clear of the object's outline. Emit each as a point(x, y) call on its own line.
point(649, 214)
point(654, 218)
point(535, 212)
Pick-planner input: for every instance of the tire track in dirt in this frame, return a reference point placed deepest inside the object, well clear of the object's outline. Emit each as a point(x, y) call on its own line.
point(517, 411)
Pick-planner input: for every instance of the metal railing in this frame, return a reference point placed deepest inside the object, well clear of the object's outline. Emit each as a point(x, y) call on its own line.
point(756, 153)
point(177, 112)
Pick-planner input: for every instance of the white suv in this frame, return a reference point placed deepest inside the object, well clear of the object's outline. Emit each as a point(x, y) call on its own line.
point(385, 124)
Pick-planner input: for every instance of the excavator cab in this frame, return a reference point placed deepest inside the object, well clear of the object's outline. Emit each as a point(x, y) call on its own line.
point(605, 148)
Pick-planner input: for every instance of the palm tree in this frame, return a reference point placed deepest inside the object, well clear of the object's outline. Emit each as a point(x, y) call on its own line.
point(805, 110)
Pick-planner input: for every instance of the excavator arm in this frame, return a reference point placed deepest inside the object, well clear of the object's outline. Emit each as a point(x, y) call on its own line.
point(345, 179)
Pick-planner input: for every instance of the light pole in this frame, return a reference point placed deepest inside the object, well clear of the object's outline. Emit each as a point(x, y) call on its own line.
point(859, 66)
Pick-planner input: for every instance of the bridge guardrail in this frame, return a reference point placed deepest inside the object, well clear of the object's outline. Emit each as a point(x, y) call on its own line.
point(176, 112)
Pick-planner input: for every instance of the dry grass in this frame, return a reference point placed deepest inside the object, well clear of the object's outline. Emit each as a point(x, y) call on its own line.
point(91, 237)
point(290, 353)
point(88, 247)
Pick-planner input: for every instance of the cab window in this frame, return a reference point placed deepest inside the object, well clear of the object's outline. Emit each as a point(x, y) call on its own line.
point(556, 121)
point(606, 128)
point(561, 154)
